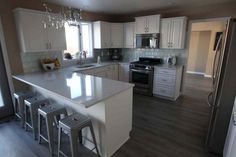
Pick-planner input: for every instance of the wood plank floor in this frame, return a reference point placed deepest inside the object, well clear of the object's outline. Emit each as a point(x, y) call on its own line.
point(161, 128)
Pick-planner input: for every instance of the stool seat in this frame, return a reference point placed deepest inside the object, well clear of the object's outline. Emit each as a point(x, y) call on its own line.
point(50, 109)
point(75, 121)
point(37, 100)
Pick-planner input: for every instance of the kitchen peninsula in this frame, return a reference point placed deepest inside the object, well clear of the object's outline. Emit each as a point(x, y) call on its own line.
point(107, 102)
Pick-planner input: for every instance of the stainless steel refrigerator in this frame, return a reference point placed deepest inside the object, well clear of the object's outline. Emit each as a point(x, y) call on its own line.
point(221, 99)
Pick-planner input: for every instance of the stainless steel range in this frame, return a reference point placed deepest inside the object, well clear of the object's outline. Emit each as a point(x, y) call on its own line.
point(141, 74)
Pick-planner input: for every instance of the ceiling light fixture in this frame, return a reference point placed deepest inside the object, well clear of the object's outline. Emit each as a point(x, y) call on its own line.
point(71, 16)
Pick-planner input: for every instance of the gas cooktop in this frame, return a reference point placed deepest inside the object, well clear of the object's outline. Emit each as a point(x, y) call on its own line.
point(148, 61)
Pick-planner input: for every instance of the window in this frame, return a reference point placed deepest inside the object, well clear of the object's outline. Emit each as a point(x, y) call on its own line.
point(79, 39)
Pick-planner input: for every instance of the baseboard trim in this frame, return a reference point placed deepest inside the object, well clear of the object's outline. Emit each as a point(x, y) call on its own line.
point(208, 76)
point(194, 72)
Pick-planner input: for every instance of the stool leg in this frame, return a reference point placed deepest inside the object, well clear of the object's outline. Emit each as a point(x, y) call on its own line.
point(39, 128)
point(73, 143)
point(59, 142)
point(49, 123)
point(26, 116)
point(94, 139)
point(33, 121)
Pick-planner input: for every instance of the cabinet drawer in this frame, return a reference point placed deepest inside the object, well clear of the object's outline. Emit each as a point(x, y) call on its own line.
point(164, 79)
point(165, 71)
point(164, 91)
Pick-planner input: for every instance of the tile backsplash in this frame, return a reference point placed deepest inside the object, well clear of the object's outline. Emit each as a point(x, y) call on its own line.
point(134, 54)
point(31, 61)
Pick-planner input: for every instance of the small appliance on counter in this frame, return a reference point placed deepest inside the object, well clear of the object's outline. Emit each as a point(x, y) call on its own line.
point(116, 55)
point(171, 60)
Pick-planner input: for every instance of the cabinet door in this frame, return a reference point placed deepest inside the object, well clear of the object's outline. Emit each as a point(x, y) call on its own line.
point(56, 39)
point(102, 74)
point(140, 25)
point(115, 72)
point(105, 35)
point(31, 33)
point(117, 35)
point(177, 37)
point(165, 33)
point(153, 24)
point(129, 35)
point(124, 72)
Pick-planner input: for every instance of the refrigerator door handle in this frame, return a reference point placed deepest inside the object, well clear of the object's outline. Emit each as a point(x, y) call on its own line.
point(208, 99)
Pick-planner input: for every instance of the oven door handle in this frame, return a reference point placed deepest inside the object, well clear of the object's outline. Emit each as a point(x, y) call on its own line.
point(140, 71)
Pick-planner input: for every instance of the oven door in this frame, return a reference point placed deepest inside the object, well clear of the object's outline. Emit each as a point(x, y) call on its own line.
point(143, 80)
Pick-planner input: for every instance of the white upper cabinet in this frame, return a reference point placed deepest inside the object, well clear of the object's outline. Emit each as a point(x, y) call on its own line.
point(101, 34)
point(147, 24)
point(56, 38)
point(117, 35)
point(33, 37)
point(129, 38)
point(173, 32)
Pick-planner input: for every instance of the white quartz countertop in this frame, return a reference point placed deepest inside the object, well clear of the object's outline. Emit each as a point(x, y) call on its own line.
point(79, 88)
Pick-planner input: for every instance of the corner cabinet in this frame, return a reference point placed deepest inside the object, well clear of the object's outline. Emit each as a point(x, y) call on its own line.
point(147, 24)
point(32, 35)
point(101, 34)
point(129, 36)
point(173, 31)
point(167, 82)
point(117, 35)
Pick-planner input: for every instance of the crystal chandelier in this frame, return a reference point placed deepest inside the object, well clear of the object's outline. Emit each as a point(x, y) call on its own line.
point(71, 16)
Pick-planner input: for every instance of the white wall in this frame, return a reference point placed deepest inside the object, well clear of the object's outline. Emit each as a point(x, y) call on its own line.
point(198, 51)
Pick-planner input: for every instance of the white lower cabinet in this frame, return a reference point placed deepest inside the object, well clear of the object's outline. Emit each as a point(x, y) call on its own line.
point(109, 71)
point(124, 72)
point(167, 82)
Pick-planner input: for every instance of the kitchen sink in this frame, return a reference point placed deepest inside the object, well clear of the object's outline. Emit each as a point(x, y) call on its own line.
point(85, 66)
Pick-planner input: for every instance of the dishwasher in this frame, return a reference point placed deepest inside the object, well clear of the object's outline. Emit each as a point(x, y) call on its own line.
point(230, 143)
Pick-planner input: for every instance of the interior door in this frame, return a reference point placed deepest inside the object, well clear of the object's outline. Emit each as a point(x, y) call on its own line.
point(6, 107)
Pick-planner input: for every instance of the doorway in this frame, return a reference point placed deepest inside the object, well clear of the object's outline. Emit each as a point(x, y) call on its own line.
point(203, 38)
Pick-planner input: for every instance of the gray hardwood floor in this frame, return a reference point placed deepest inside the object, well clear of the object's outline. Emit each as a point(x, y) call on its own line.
point(161, 128)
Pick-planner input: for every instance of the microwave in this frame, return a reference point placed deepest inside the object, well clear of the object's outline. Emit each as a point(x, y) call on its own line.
point(148, 41)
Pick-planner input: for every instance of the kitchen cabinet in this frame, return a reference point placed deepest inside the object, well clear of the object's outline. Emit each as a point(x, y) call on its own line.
point(101, 34)
point(109, 72)
point(117, 35)
point(167, 82)
point(129, 36)
point(173, 32)
point(32, 35)
point(147, 24)
point(124, 72)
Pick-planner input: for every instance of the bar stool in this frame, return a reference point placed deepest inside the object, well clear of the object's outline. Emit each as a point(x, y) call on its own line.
point(51, 114)
point(73, 125)
point(19, 98)
point(31, 112)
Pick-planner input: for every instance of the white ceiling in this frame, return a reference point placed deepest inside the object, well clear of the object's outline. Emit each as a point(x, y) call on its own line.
point(132, 6)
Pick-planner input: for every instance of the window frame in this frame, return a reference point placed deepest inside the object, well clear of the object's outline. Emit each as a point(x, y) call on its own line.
point(80, 42)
